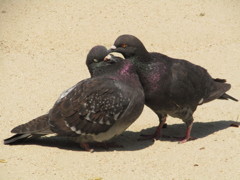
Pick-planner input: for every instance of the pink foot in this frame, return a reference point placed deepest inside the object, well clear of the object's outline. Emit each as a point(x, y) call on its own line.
point(186, 139)
point(188, 134)
point(86, 147)
point(157, 134)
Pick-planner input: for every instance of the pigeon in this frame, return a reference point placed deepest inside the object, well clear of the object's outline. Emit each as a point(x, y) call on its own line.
point(95, 109)
point(172, 87)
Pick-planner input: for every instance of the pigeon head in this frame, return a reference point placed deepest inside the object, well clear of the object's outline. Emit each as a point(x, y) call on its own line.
point(95, 59)
point(129, 46)
point(100, 62)
point(96, 55)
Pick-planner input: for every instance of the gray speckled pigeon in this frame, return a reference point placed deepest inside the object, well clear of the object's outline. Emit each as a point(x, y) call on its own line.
point(172, 86)
point(95, 109)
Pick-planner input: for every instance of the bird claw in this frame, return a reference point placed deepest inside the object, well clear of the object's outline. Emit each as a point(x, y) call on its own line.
point(184, 140)
point(86, 147)
point(156, 135)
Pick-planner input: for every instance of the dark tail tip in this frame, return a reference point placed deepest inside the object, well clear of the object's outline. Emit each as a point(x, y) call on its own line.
point(226, 96)
point(16, 138)
point(220, 80)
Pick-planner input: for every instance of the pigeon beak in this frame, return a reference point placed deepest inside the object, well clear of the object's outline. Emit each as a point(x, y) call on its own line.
point(107, 58)
point(112, 48)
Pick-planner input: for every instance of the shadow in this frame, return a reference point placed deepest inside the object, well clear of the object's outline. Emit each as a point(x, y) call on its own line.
point(199, 130)
point(129, 139)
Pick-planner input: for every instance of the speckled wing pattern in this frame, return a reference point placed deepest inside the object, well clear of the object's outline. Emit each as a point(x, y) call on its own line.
point(90, 107)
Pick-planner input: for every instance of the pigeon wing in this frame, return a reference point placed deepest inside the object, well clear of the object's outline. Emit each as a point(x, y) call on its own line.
point(90, 107)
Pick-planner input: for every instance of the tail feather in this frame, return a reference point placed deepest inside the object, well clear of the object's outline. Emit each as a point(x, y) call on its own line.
point(39, 125)
point(219, 89)
point(216, 91)
point(220, 80)
point(34, 128)
point(16, 138)
point(227, 97)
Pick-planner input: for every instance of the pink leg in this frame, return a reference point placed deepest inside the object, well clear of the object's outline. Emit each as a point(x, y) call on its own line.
point(188, 135)
point(86, 147)
point(157, 134)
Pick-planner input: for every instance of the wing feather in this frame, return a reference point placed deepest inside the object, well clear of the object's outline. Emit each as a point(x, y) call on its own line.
point(91, 107)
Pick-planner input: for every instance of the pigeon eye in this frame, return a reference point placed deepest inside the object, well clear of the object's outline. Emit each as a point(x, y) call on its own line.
point(95, 60)
point(123, 45)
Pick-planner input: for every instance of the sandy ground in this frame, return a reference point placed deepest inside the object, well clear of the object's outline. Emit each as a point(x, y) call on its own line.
point(43, 47)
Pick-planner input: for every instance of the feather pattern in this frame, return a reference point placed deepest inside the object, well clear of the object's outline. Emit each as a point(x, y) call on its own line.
point(95, 109)
point(91, 107)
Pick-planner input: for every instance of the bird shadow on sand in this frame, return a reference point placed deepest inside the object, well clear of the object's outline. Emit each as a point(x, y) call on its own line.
point(129, 139)
point(199, 130)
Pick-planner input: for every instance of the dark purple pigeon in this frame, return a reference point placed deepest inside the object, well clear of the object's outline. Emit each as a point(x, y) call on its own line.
point(95, 109)
point(172, 86)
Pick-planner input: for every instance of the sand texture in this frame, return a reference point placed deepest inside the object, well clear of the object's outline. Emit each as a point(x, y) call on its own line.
point(43, 47)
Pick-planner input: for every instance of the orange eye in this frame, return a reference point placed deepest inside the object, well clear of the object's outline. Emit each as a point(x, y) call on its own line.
point(123, 45)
